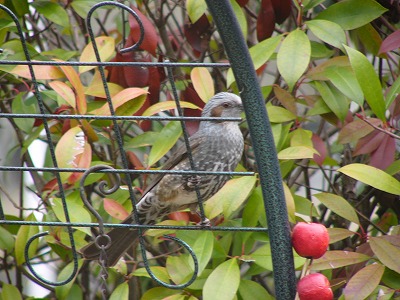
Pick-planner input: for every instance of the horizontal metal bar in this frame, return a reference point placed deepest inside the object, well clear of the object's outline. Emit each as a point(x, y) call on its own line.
point(80, 170)
point(115, 64)
point(111, 225)
point(127, 118)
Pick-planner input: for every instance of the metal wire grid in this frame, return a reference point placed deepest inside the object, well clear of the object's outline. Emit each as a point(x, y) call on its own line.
point(114, 173)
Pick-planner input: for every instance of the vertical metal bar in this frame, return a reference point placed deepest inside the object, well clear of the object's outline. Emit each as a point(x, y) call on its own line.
point(264, 147)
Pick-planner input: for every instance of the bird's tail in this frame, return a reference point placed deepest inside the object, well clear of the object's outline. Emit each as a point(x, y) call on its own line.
point(121, 240)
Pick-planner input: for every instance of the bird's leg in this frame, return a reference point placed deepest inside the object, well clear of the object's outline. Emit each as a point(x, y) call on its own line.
point(193, 181)
point(204, 222)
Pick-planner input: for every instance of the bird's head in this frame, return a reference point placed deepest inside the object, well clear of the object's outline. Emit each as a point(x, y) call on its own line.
point(223, 105)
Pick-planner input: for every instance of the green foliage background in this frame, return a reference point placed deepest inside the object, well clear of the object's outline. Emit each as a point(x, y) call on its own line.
point(329, 72)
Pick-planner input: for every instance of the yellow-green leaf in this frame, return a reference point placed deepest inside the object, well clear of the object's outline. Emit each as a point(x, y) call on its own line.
point(167, 105)
point(339, 206)
point(121, 292)
point(23, 235)
point(373, 177)
point(364, 282)
point(336, 259)
point(202, 83)
point(195, 9)
point(106, 47)
point(338, 234)
point(128, 94)
point(387, 253)
point(230, 197)
point(223, 282)
point(297, 152)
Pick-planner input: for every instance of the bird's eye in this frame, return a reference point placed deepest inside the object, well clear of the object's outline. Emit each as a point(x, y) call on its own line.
point(226, 105)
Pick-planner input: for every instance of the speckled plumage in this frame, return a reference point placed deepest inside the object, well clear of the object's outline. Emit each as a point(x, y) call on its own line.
point(216, 146)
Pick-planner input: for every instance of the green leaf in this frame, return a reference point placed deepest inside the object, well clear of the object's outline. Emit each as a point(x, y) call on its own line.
point(308, 4)
point(121, 292)
point(202, 244)
point(251, 290)
point(337, 259)
point(77, 211)
point(52, 11)
point(230, 197)
point(393, 92)
point(344, 80)
point(253, 209)
point(21, 106)
point(373, 177)
point(364, 282)
point(159, 293)
point(160, 272)
point(10, 292)
point(179, 268)
point(240, 17)
point(368, 81)
point(166, 140)
point(195, 9)
point(338, 234)
point(294, 56)
point(82, 7)
point(386, 253)
point(328, 32)
point(147, 138)
point(260, 54)
point(333, 98)
point(63, 291)
point(223, 282)
point(263, 257)
point(351, 14)
point(304, 206)
point(339, 206)
point(23, 235)
point(6, 240)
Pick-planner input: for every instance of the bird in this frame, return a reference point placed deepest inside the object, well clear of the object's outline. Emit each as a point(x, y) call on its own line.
point(217, 146)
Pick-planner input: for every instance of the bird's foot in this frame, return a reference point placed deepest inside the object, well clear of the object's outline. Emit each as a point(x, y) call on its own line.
point(204, 223)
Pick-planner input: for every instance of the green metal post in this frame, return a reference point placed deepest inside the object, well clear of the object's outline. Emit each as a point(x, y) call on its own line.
point(263, 143)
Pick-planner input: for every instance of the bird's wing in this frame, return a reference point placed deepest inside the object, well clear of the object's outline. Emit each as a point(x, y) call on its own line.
point(178, 156)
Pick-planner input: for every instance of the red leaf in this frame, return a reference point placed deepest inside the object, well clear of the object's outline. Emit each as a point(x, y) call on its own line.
point(282, 9)
point(242, 2)
point(391, 42)
point(179, 216)
point(320, 146)
point(150, 38)
point(198, 34)
point(265, 20)
point(190, 95)
point(384, 155)
point(369, 143)
point(115, 209)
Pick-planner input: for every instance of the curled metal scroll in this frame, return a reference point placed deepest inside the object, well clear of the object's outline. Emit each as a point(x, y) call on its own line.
point(53, 158)
point(103, 185)
point(124, 7)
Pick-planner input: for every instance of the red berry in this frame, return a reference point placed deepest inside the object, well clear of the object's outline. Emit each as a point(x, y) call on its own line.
point(310, 239)
point(314, 287)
